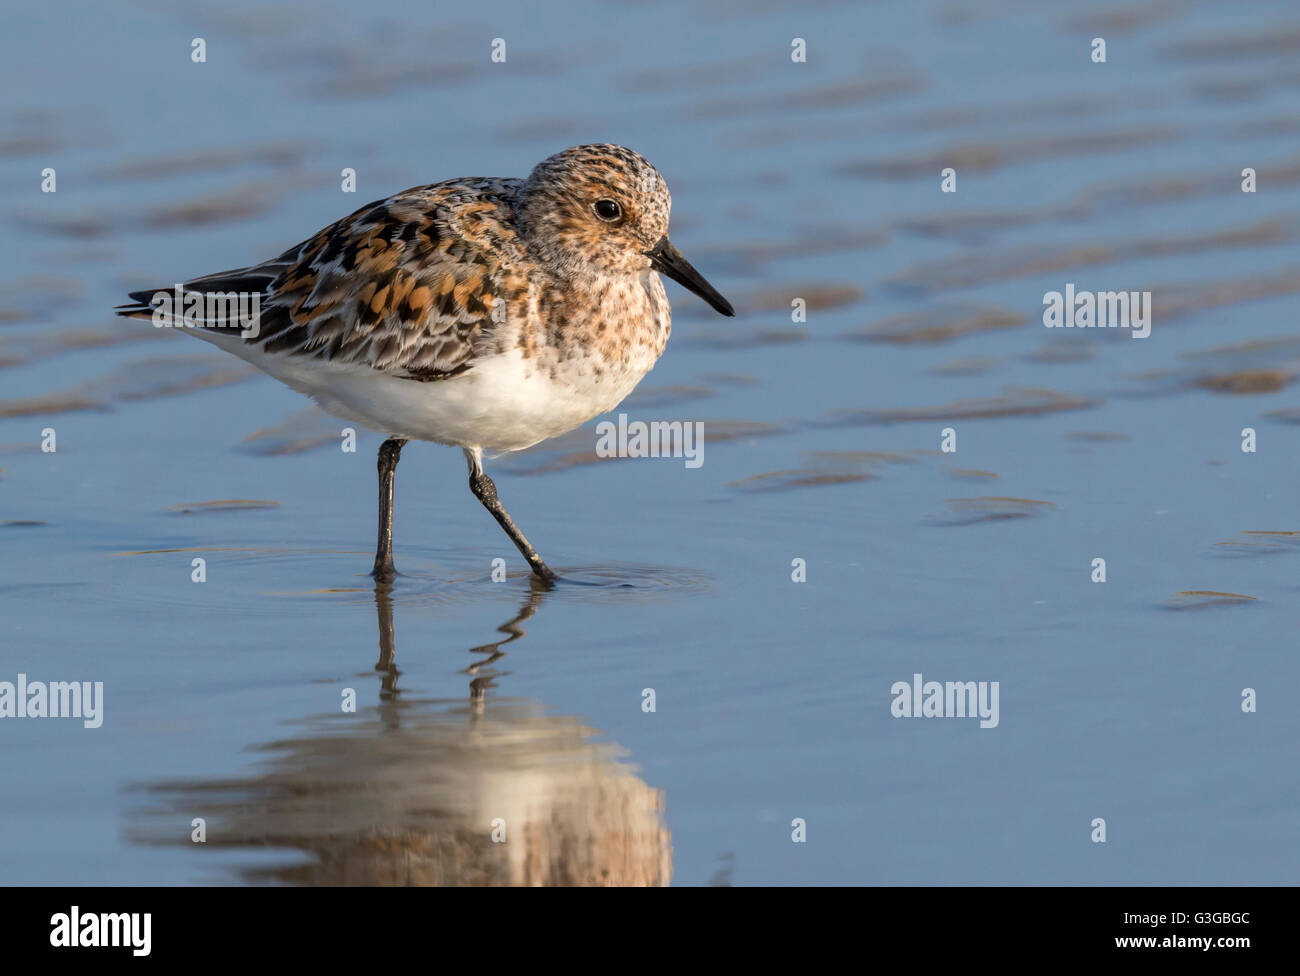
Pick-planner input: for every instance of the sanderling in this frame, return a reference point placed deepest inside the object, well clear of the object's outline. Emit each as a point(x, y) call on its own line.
point(489, 314)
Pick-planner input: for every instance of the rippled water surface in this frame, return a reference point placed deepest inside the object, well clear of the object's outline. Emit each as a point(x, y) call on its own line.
point(480, 700)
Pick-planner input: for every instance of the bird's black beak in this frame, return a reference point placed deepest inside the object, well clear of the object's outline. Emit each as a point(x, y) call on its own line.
point(666, 259)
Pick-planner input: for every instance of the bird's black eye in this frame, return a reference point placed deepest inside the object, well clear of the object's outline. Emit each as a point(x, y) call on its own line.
point(607, 210)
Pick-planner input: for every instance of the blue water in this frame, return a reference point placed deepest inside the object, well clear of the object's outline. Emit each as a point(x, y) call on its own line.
point(1119, 701)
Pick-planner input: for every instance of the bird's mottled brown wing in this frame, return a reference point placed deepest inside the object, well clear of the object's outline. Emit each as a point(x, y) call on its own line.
point(405, 285)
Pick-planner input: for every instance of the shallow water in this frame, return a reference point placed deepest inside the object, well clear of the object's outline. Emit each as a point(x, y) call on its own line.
point(478, 700)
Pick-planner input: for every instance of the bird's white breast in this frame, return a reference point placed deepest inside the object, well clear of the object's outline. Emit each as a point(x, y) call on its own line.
point(507, 401)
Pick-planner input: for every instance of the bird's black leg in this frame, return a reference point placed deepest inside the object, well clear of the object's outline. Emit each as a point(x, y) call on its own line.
point(389, 452)
point(485, 490)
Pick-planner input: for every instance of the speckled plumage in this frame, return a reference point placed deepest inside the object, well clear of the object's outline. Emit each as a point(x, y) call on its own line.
point(408, 287)
point(486, 313)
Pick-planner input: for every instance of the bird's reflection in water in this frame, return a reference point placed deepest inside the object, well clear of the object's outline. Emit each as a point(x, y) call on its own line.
point(419, 792)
